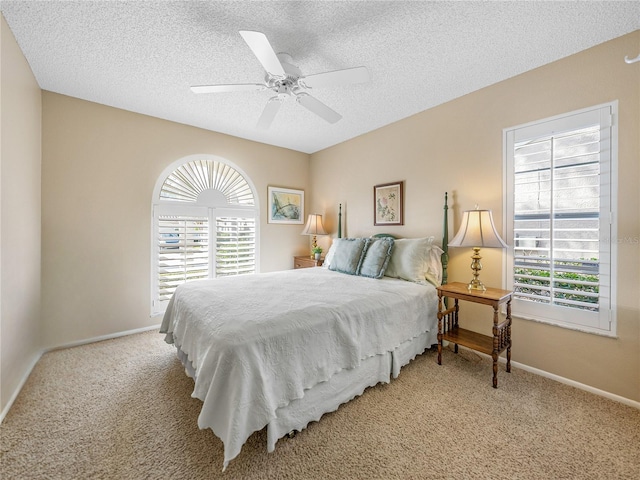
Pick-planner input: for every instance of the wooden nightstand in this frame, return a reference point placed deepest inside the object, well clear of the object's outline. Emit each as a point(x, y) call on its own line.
point(306, 262)
point(449, 330)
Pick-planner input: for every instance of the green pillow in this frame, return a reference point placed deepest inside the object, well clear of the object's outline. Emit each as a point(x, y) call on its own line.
point(348, 255)
point(376, 257)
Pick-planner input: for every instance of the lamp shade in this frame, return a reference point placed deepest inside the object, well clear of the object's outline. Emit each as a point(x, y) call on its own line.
point(314, 225)
point(477, 230)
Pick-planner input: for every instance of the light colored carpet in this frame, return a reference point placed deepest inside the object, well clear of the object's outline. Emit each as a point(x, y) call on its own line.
point(121, 409)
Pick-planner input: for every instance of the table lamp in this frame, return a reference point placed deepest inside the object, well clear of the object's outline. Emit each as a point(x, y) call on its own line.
point(477, 230)
point(314, 227)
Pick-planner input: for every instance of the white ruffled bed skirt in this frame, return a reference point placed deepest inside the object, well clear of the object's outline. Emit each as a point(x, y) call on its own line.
point(345, 385)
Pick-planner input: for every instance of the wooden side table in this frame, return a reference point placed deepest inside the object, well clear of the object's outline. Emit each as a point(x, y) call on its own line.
point(306, 262)
point(448, 328)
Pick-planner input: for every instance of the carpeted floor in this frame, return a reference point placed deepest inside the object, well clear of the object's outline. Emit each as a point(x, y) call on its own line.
point(121, 409)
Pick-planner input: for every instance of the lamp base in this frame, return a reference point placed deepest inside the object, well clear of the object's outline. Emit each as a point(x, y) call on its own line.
point(476, 285)
point(476, 266)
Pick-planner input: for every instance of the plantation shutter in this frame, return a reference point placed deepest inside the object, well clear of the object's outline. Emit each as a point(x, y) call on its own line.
point(183, 252)
point(560, 213)
point(235, 246)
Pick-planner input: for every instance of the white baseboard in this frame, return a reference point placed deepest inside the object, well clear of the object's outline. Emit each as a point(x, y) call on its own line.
point(103, 337)
point(566, 381)
point(581, 386)
point(39, 354)
point(35, 359)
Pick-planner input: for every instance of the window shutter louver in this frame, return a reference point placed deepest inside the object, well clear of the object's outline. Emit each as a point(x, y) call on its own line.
point(235, 246)
point(188, 181)
point(183, 252)
point(557, 204)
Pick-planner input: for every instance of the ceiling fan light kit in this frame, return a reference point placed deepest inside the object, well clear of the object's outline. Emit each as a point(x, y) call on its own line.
point(286, 80)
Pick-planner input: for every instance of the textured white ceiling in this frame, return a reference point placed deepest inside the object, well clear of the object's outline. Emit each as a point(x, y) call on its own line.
point(143, 56)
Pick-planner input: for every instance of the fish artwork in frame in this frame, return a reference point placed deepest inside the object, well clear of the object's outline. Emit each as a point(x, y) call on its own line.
point(286, 205)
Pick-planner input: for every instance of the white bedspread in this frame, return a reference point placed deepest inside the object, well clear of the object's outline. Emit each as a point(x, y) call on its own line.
point(257, 342)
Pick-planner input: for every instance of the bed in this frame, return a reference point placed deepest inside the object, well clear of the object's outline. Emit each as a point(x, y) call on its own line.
point(280, 349)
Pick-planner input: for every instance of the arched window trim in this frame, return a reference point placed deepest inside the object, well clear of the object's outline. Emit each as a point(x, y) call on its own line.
point(196, 207)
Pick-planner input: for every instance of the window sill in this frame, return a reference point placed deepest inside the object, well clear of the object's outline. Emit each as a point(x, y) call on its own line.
point(568, 326)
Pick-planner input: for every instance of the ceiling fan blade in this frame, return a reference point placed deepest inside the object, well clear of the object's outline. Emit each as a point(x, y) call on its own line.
point(238, 87)
point(264, 52)
point(269, 113)
point(337, 77)
point(316, 106)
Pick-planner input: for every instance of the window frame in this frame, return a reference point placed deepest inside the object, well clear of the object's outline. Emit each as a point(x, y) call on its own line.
point(209, 207)
point(606, 115)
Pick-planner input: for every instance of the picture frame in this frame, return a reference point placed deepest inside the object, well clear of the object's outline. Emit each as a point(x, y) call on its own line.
point(286, 206)
point(388, 204)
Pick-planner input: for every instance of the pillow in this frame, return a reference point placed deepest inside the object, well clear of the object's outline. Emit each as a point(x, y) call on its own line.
point(434, 265)
point(329, 256)
point(376, 257)
point(348, 255)
point(411, 259)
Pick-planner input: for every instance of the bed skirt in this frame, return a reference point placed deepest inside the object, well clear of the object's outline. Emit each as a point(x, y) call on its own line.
point(343, 386)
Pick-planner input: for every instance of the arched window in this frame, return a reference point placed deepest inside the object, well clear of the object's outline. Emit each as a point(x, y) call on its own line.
point(205, 225)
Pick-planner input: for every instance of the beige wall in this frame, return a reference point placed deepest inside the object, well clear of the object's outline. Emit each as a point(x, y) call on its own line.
point(457, 147)
point(99, 168)
point(20, 119)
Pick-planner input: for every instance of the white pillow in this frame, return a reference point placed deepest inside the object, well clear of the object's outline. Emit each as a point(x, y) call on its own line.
point(329, 256)
point(434, 265)
point(412, 259)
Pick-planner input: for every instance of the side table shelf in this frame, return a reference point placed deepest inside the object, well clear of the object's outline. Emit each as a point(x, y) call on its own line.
point(449, 329)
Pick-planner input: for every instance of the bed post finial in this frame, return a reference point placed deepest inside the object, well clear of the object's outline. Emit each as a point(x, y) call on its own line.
point(445, 240)
point(340, 222)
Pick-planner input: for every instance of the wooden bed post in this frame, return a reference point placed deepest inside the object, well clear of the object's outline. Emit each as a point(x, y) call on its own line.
point(445, 241)
point(340, 222)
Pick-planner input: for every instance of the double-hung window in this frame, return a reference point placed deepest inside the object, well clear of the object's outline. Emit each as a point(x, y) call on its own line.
point(560, 183)
point(205, 225)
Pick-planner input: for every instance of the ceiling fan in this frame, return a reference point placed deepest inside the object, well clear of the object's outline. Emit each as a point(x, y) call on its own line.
point(286, 80)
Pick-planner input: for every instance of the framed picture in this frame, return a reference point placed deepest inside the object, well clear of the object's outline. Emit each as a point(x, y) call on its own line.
point(286, 205)
point(388, 204)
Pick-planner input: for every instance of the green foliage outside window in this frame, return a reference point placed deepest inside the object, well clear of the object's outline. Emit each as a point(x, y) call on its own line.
point(543, 279)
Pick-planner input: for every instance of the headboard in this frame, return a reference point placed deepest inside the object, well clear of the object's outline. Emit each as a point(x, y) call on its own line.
point(445, 236)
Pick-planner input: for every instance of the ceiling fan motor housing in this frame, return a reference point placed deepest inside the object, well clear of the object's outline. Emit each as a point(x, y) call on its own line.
point(289, 84)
